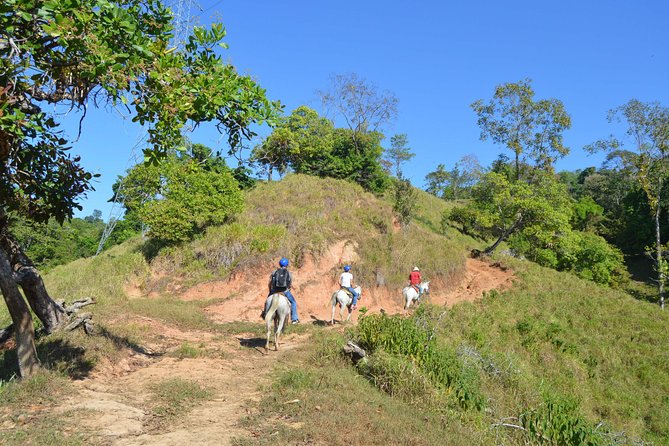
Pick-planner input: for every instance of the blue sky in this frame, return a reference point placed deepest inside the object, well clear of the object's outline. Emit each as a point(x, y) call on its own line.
point(437, 57)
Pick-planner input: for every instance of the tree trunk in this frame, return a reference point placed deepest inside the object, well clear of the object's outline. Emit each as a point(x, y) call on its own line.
point(25, 274)
point(489, 250)
point(22, 321)
point(659, 261)
point(517, 165)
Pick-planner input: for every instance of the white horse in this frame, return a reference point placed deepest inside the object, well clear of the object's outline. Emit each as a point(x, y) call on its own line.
point(410, 294)
point(278, 310)
point(342, 298)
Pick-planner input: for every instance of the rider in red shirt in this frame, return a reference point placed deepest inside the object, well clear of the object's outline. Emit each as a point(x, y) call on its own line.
point(414, 279)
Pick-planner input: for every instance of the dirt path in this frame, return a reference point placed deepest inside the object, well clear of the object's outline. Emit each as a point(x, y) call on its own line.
point(317, 279)
point(116, 406)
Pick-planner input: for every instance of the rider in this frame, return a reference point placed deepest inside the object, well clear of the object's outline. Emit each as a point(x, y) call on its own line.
point(415, 279)
point(346, 282)
point(281, 281)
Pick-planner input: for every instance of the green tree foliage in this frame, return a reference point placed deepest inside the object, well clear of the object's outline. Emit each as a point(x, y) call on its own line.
point(457, 183)
point(404, 203)
point(505, 208)
point(587, 215)
point(399, 152)
point(585, 254)
point(51, 244)
point(310, 144)
point(57, 55)
point(192, 199)
point(527, 127)
point(648, 129)
point(535, 220)
point(181, 196)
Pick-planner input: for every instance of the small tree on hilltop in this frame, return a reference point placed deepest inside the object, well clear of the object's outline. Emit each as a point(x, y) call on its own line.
point(525, 126)
point(399, 152)
point(404, 204)
point(359, 103)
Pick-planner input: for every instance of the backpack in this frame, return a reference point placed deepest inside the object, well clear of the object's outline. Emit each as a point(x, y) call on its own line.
point(280, 278)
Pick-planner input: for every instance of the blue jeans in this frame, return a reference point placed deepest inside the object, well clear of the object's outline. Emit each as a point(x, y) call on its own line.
point(355, 295)
point(291, 299)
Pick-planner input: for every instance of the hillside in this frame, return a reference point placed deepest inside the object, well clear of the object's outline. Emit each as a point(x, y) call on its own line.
point(177, 355)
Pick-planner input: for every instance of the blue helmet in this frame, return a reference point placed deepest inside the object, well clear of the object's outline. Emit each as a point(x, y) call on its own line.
point(347, 268)
point(283, 262)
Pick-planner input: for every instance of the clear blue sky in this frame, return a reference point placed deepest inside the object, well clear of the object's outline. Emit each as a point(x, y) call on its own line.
point(437, 57)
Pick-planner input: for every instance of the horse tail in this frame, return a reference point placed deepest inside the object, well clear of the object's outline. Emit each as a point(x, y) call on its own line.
point(333, 301)
point(276, 298)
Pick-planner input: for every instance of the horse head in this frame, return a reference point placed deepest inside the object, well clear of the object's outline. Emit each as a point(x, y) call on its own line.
point(425, 287)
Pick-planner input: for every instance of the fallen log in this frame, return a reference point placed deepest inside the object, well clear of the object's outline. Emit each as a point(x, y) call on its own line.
point(354, 351)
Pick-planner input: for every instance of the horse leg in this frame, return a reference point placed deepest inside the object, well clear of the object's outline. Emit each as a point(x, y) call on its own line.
point(269, 333)
point(276, 332)
point(279, 330)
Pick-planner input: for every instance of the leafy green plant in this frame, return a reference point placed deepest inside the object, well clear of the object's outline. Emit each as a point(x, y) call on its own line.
point(558, 422)
point(413, 339)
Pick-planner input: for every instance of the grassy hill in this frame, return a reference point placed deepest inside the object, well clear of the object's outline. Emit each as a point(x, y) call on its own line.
point(555, 359)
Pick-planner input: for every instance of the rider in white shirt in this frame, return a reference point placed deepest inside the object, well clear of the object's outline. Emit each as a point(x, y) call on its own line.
point(346, 281)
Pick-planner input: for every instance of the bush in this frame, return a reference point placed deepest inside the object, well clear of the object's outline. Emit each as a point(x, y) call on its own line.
point(193, 199)
point(558, 422)
point(411, 342)
point(585, 254)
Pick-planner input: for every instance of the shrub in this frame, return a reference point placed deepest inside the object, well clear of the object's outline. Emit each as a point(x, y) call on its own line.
point(558, 422)
point(412, 341)
point(587, 255)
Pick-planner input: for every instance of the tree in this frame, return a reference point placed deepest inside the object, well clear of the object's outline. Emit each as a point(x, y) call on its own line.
point(456, 183)
point(190, 199)
point(310, 144)
point(405, 201)
point(57, 56)
point(51, 244)
point(648, 128)
point(275, 152)
point(399, 152)
point(504, 208)
point(525, 126)
point(359, 103)
point(437, 181)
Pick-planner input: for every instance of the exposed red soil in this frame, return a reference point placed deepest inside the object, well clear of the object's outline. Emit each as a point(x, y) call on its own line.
point(316, 280)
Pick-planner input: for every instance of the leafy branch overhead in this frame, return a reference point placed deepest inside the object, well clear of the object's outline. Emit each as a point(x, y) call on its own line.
point(71, 54)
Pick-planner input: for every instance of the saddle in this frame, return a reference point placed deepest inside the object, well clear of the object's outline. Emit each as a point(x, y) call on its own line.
point(417, 288)
point(347, 291)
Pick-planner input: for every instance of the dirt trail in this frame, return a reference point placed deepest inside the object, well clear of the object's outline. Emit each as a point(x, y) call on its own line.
point(316, 280)
point(113, 406)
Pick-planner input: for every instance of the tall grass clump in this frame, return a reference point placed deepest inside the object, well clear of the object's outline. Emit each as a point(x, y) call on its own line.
point(411, 342)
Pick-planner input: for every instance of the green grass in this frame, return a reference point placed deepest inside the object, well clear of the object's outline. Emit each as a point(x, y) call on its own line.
point(174, 398)
point(573, 362)
point(26, 414)
point(567, 337)
point(554, 347)
point(321, 399)
point(302, 215)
